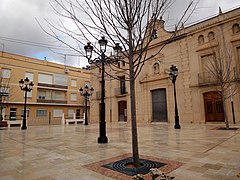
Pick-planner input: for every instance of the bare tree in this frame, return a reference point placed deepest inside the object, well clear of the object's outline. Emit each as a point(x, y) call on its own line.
point(219, 67)
point(130, 23)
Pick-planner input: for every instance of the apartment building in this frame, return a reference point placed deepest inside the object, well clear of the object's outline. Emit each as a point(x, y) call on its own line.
point(55, 91)
point(198, 97)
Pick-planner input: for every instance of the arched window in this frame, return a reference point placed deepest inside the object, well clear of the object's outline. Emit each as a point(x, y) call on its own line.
point(235, 28)
point(200, 39)
point(211, 36)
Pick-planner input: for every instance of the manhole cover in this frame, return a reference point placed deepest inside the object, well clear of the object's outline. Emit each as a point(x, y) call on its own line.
point(122, 166)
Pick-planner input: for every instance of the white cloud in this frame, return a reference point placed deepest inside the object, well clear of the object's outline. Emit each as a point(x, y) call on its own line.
point(17, 20)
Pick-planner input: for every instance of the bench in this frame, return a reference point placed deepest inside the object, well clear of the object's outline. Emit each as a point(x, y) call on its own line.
point(73, 120)
point(18, 122)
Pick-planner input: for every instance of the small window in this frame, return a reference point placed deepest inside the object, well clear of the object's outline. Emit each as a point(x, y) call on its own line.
point(58, 95)
point(45, 78)
point(74, 83)
point(13, 114)
point(57, 113)
point(235, 28)
point(200, 39)
point(60, 79)
point(122, 84)
point(6, 73)
point(73, 97)
point(41, 112)
point(211, 36)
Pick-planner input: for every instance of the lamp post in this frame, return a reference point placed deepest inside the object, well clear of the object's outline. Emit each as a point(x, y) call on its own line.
point(102, 60)
point(25, 86)
point(173, 76)
point(87, 92)
point(231, 99)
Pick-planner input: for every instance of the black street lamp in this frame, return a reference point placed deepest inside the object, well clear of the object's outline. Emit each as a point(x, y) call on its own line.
point(102, 59)
point(173, 76)
point(26, 86)
point(87, 92)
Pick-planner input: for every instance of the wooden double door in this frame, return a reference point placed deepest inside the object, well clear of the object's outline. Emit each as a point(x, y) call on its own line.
point(213, 107)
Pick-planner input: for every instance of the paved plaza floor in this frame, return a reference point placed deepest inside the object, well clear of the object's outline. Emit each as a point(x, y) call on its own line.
point(195, 152)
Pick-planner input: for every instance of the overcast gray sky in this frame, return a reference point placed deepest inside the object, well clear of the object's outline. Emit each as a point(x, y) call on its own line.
point(20, 33)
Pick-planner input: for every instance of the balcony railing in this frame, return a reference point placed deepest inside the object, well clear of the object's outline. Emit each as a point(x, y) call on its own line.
point(53, 86)
point(42, 100)
point(206, 78)
point(120, 91)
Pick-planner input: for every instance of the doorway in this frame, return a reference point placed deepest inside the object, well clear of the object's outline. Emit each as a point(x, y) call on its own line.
point(78, 114)
point(159, 105)
point(213, 107)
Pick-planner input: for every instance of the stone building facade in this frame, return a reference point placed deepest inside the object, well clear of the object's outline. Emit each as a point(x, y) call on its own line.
point(198, 97)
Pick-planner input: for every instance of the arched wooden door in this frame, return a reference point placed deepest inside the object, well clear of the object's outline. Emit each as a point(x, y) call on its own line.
point(213, 107)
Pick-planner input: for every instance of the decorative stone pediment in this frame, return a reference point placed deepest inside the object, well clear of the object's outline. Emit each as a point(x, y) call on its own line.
point(147, 78)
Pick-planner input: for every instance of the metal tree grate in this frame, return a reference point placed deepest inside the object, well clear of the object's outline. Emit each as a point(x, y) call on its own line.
point(122, 166)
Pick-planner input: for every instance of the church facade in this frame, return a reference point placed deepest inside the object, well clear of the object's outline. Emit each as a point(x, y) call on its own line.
point(198, 88)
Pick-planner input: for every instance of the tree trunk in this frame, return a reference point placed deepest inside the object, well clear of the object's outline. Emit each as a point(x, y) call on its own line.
point(224, 110)
point(135, 152)
point(136, 161)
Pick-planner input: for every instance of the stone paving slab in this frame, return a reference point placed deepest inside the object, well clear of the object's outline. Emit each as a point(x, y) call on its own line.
point(71, 152)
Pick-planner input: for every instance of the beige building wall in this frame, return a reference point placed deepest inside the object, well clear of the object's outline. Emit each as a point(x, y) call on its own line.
point(64, 97)
point(185, 51)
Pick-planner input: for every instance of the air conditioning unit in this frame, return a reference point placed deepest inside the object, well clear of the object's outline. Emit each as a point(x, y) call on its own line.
point(41, 97)
point(66, 71)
